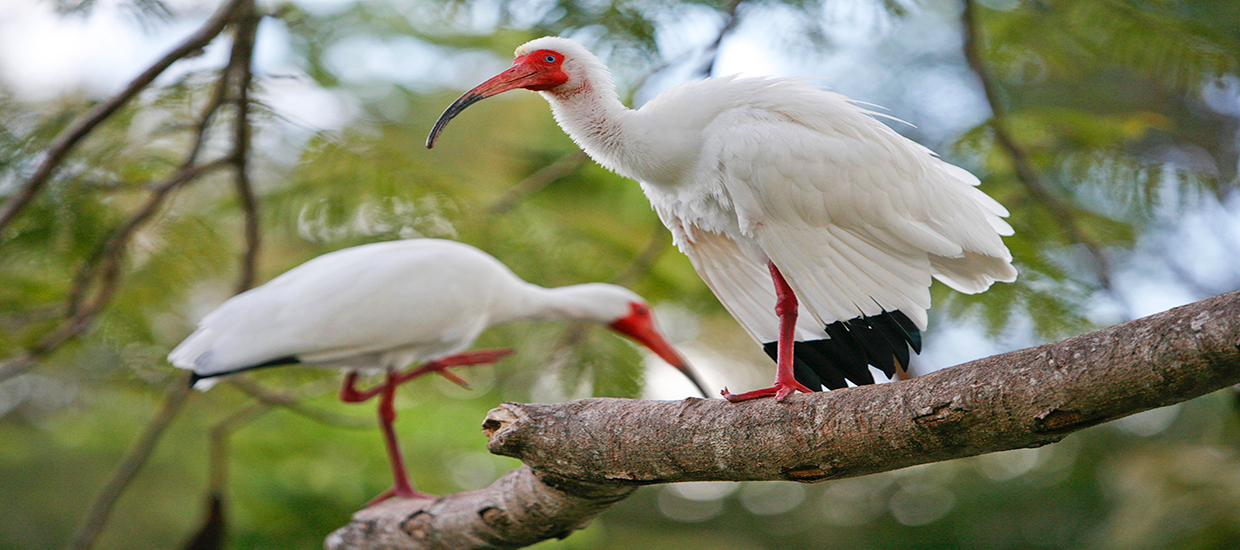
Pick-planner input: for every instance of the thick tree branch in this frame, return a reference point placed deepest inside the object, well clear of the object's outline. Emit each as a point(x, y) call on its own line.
point(66, 140)
point(1025, 398)
point(518, 510)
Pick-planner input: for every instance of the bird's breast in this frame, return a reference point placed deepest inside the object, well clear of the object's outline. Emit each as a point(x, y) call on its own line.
point(690, 209)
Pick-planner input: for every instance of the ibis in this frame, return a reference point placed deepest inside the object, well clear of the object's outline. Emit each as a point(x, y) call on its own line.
point(818, 227)
point(384, 306)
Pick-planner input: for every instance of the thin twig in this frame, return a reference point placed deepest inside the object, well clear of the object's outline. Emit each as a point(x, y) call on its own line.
point(242, 55)
point(101, 507)
point(219, 95)
point(81, 319)
point(66, 140)
point(83, 315)
point(211, 535)
point(537, 181)
point(218, 468)
point(641, 264)
point(730, 21)
point(110, 253)
point(1026, 172)
point(120, 237)
point(256, 391)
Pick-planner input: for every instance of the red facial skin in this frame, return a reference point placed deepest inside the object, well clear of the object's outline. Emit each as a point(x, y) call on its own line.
point(639, 325)
point(539, 71)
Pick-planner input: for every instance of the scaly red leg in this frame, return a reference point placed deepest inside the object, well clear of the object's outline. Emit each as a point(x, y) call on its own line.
point(786, 309)
point(349, 393)
point(468, 358)
point(387, 414)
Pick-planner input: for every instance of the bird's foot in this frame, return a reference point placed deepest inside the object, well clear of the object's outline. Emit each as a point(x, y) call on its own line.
point(780, 390)
point(393, 492)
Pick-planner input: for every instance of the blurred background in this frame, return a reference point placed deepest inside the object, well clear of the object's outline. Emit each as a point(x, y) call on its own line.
point(1109, 128)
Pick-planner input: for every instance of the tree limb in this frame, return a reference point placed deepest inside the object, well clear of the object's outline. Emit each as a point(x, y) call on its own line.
point(81, 316)
point(101, 507)
point(519, 509)
point(1025, 398)
point(66, 140)
point(1026, 173)
point(242, 57)
point(537, 181)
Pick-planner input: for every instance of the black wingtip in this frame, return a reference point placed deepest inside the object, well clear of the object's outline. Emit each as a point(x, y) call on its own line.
point(852, 346)
point(194, 377)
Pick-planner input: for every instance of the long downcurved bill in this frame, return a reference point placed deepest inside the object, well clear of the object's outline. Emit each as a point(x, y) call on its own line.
point(646, 335)
point(517, 76)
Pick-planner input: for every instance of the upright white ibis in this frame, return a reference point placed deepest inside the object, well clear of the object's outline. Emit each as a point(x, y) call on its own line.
point(786, 197)
point(384, 306)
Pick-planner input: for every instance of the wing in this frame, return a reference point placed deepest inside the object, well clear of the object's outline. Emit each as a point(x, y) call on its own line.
point(362, 300)
point(856, 217)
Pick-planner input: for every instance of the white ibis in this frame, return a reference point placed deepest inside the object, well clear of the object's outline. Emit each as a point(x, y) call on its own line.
point(384, 306)
point(785, 197)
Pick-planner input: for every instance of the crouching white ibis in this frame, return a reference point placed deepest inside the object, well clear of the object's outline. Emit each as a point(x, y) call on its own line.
point(384, 306)
point(785, 197)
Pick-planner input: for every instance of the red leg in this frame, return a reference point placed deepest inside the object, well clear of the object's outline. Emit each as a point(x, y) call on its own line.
point(349, 393)
point(459, 360)
point(786, 309)
point(387, 414)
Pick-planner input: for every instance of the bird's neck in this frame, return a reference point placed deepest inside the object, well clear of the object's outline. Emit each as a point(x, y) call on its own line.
point(536, 303)
point(623, 140)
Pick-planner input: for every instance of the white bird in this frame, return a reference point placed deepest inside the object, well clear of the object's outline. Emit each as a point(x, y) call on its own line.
point(384, 306)
point(786, 197)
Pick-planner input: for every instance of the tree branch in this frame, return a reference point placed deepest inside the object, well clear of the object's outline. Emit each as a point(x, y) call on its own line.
point(242, 57)
point(101, 507)
point(66, 140)
point(730, 20)
point(1025, 398)
point(251, 388)
point(1026, 173)
point(519, 509)
point(81, 317)
point(537, 181)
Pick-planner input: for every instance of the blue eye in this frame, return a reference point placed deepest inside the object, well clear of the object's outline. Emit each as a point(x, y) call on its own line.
point(549, 59)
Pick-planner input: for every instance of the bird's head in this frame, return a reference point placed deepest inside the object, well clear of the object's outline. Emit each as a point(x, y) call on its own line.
point(623, 311)
point(555, 65)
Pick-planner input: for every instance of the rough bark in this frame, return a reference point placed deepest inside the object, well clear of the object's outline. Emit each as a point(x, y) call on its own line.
point(1025, 398)
point(519, 509)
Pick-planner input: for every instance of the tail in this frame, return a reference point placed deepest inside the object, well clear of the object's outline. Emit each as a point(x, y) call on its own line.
point(881, 340)
point(193, 354)
point(196, 354)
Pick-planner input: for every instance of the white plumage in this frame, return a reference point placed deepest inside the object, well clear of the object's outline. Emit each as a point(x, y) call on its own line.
point(384, 306)
point(761, 178)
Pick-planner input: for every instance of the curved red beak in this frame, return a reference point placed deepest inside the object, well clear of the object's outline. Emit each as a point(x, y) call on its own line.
point(639, 326)
point(520, 75)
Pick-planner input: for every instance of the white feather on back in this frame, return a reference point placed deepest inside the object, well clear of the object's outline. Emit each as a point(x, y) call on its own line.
point(362, 306)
